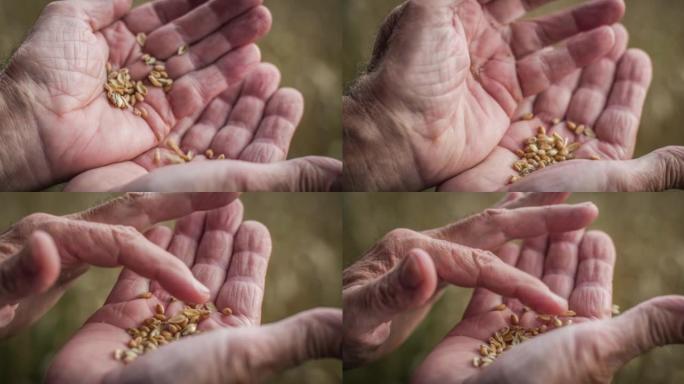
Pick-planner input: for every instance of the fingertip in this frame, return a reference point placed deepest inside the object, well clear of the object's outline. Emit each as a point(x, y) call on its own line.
point(589, 211)
point(419, 273)
point(45, 260)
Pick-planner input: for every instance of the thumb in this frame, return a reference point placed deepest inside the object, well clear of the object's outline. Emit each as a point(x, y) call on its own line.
point(33, 270)
point(658, 171)
point(409, 285)
point(655, 323)
point(99, 13)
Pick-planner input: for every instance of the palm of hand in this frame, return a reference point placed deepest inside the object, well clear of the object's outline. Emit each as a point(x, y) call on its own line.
point(607, 95)
point(228, 256)
point(66, 58)
point(575, 265)
point(464, 68)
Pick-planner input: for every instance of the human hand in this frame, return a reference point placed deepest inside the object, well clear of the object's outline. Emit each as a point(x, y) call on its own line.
point(446, 78)
point(57, 77)
point(231, 258)
point(607, 95)
point(251, 124)
point(577, 266)
point(389, 291)
point(42, 254)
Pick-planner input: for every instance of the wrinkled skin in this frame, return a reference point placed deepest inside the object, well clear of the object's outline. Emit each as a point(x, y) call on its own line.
point(389, 291)
point(231, 258)
point(42, 254)
point(607, 95)
point(447, 77)
point(61, 70)
point(578, 266)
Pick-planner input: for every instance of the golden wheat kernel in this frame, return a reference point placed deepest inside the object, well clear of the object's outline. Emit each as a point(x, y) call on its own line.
point(190, 155)
point(544, 318)
point(145, 295)
point(182, 50)
point(557, 322)
point(500, 307)
point(209, 153)
point(221, 157)
point(528, 116)
point(571, 126)
point(569, 313)
point(574, 146)
point(541, 130)
point(595, 157)
point(118, 354)
point(590, 133)
point(514, 179)
point(514, 319)
point(615, 309)
point(227, 311)
point(476, 362)
point(556, 121)
point(159, 309)
point(580, 129)
point(141, 38)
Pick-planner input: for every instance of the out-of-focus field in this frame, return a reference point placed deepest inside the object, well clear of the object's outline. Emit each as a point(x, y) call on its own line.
point(648, 231)
point(305, 44)
point(304, 273)
point(655, 26)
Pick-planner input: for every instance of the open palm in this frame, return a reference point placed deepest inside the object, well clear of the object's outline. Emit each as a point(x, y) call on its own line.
point(607, 95)
point(228, 256)
point(252, 121)
point(575, 265)
point(63, 66)
point(452, 73)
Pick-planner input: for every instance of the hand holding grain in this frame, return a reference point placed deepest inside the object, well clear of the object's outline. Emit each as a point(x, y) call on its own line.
point(231, 258)
point(389, 291)
point(586, 345)
point(446, 79)
point(57, 78)
point(41, 254)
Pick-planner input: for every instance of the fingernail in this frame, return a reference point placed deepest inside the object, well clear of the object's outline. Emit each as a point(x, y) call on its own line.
point(410, 275)
point(201, 288)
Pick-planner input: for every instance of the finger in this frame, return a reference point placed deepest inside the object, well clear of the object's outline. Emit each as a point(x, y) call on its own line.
point(193, 26)
point(112, 246)
point(248, 112)
point(409, 285)
point(306, 174)
point(538, 71)
point(619, 121)
point(552, 103)
point(271, 142)
point(141, 210)
point(152, 15)
point(560, 266)
point(199, 136)
point(97, 13)
point(194, 91)
point(521, 200)
point(245, 29)
point(530, 261)
point(590, 97)
point(505, 11)
point(592, 295)
point(31, 271)
point(471, 267)
point(215, 251)
point(528, 36)
point(494, 227)
point(130, 285)
point(484, 300)
point(657, 322)
point(243, 289)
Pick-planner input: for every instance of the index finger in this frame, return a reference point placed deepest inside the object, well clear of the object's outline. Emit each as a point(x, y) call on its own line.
point(141, 210)
point(495, 227)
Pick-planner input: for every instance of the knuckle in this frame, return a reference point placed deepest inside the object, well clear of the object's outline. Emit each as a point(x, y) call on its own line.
point(398, 235)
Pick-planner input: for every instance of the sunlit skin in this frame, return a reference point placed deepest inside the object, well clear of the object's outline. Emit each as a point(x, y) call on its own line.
point(446, 79)
point(607, 95)
point(42, 254)
point(61, 68)
point(392, 287)
point(579, 267)
point(231, 258)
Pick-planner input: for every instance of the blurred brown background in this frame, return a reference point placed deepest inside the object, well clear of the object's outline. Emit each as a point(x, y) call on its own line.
point(304, 273)
point(655, 26)
point(305, 44)
point(648, 231)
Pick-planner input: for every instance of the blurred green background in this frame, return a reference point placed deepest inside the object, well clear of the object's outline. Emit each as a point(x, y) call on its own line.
point(648, 231)
point(304, 273)
point(305, 44)
point(655, 26)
